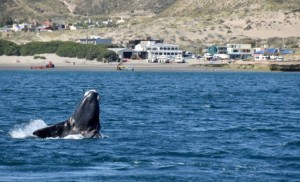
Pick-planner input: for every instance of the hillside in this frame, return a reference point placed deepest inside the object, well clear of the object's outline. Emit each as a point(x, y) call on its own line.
point(74, 9)
point(190, 23)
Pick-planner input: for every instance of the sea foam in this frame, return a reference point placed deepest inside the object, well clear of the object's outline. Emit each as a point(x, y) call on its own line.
point(26, 130)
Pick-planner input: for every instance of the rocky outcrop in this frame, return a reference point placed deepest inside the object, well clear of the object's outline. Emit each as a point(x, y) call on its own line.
point(292, 67)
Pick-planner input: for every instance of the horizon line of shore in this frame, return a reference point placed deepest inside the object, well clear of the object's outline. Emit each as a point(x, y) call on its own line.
point(65, 63)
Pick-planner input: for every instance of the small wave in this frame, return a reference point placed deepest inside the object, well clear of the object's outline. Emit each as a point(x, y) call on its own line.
point(293, 143)
point(26, 130)
point(207, 106)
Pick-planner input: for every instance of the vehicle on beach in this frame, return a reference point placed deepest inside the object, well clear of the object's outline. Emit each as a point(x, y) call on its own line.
point(47, 66)
point(163, 59)
point(208, 56)
point(121, 67)
point(179, 59)
point(153, 59)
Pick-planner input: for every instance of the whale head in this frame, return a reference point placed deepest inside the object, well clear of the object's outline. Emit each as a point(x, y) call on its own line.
point(86, 114)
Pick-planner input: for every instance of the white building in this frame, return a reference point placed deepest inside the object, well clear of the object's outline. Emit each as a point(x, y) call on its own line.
point(239, 51)
point(72, 27)
point(158, 50)
point(120, 21)
point(242, 48)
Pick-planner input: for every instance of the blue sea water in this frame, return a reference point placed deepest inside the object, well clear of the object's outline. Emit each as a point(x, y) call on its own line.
point(159, 126)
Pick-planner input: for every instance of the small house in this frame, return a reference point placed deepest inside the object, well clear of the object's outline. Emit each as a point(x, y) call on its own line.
point(266, 54)
point(97, 41)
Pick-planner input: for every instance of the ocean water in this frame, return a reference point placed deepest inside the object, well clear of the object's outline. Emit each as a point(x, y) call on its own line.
point(158, 126)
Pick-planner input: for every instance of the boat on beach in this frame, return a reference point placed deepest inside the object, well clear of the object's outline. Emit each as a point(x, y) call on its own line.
point(47, 66)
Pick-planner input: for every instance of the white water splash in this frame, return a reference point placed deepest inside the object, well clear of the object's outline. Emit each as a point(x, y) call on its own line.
point(74, 137)
point(26, 130)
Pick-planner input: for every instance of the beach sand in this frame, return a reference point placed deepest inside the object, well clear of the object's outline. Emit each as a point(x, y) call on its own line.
point(64, 64)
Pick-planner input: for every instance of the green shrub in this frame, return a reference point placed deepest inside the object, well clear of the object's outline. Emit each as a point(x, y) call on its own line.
point(9, 48)
point(32, 48)
point(39, 57)
point(68, 49)
point(63, 49)
point(108, 55)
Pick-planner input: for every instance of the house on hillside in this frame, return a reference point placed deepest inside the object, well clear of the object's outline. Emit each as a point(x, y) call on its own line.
point(218, 52)
point(96, 41)
point(120, 21)
point(268, 54)
point(60, 26)
point(133, 43)
point(217, 49)
point(6, 28)
point(239, 51)
point(21, 26)
point(107, 22)
point(43, 29)
point(287, 51)
point(16, 28)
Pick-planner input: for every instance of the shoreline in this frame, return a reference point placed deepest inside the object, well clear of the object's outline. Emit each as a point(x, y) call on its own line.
point(75, 64)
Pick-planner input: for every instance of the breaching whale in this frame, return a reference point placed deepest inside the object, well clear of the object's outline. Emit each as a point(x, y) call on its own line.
point(85, 120)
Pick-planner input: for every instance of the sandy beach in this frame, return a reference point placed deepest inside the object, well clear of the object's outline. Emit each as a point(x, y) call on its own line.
point(64, 63)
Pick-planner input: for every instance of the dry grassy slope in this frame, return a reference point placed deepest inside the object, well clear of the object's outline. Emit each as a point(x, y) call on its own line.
point(74, 9)
point(190, 8)
point(110, 7)
point(194, 8)
point(32, 9)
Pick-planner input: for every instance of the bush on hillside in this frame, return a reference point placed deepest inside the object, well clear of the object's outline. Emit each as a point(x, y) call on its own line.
point(107, 55)
point(9, 48)
point(63, 49)
point(68, 49)
point(33, 48)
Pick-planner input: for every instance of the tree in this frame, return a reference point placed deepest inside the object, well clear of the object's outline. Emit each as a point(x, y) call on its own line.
point(6, 20)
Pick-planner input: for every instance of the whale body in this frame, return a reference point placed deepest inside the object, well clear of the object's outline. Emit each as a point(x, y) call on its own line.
point(85, 120)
